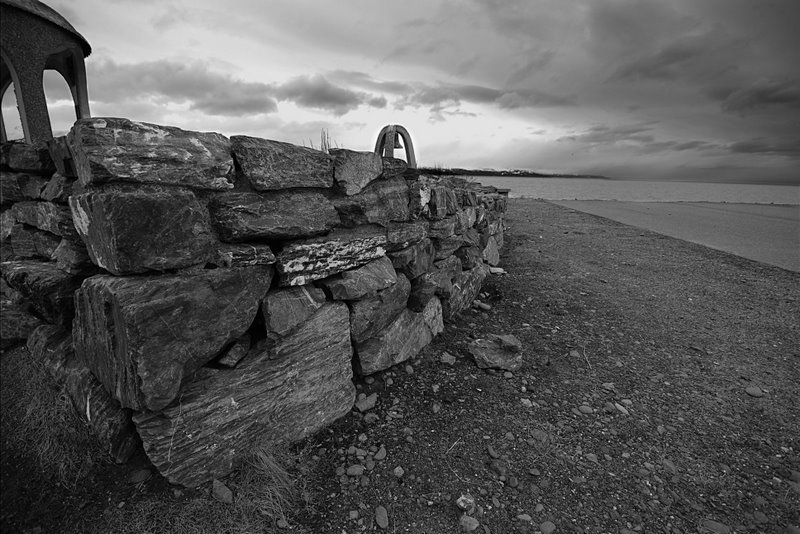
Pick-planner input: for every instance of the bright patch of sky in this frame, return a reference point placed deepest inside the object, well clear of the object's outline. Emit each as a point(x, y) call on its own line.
point(628, 88)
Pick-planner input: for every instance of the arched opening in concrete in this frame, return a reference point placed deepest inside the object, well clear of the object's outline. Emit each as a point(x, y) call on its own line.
point(60, 102)
point(10, 120)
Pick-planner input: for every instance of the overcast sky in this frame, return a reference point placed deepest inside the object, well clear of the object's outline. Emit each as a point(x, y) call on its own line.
point(674, 89)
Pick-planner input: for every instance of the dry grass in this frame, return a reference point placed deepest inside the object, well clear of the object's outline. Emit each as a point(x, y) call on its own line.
point(265, 486)
point(38, 417)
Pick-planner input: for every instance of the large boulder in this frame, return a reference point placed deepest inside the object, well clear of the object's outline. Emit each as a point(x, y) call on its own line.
point(46, 216)
point(28, 242)
point(110, 423)
point(361, 281)
point(353, 171)
point(269, 165)
point(466, 286)
point(142, 336)
point(17, 186)
point(401, 235)
point(287, 308)
point(303, 261)
point(128, 232)
point(277, 215)
point(380, 202)
point(415, 260)
point(401, 340)
point(121, 150)
point(276, 395)
point(48, 288)
point(370, 315)
point(26, 157)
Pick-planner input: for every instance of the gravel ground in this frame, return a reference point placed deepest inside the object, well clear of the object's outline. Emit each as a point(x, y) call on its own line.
point(659, 394)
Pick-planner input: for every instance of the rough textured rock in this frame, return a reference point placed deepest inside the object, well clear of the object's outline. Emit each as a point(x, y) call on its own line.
point(46, 216)
point(394, 167)
point(16, 325)
point(110, 423)
point(72, 257)
point(443, 228)
point(278, 215)
point(371, 315)
point(48, 288)
point(423, 289)
point(420, 197)
point(414, 260)
point(25, 157)
point(138, 231)
point(121, 150)
point(287, 308)
point(469, 256)
point(28, 242)
point(466, 286)
point(143, 335)
point(269, 165)
point(17, 186)
point(498, 352)
point(235, 255)
point(491, 253)
point(443, 248)
point(58, 189)
point(357, 283)
point(402, 235)
point(306, 260)
point(380, 202)
point(439, 202)
point(464, 219)
point(401, 340)
point(280, 395)
point(352, 171)
point(7, 221)
point(235, 352)
point(62, 157)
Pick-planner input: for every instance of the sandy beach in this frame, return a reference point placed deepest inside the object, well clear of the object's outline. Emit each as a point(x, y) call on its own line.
point(761, 232)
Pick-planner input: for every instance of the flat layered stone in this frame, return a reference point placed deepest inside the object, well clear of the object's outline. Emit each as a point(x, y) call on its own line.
point(402, 235)
point(46, 216)
point(287, 308)
point(353, 171)
point(362, 281)
point(281, 395)
point(17, 186)
point(491, 253)
point(48, 288)
point(142, 336)
point(469, 256)
point(16, 324)
point(121, 150)
point(28, 242)
point(380, 202)
point(128, 232)
point(270, 165)
point(306, 260)
point(414, 260)
point(280, 215)
point(442, 229)
point(466, 286)
point(58, 189)
point(497, 352)
point(372, 314)
point(401, 340)
point(26, 157)
point(242, 255)
point(61, 156)
point(109, 422)
point(444, 248)
point(72, 257)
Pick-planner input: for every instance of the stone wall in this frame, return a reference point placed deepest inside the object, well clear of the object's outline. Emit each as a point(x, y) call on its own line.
point(204, 294)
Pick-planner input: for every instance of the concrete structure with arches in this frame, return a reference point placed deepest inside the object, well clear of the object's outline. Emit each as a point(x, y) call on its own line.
point(36, 38)
point(389, 140)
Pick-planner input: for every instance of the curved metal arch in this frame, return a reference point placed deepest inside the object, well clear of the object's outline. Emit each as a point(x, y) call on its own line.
point(387, 142)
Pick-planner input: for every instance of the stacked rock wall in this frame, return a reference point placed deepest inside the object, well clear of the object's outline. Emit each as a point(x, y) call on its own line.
point(220, 293)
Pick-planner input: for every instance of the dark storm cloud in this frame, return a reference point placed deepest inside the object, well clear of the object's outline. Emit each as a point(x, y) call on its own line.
point(637, 137)
point(666, 63)
point(320, 93)
point(172, 82)
point(365, 81)
point(789, 148)
point(761, 94)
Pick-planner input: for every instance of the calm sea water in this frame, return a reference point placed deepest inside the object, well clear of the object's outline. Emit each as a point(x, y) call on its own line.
point(639, 191)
